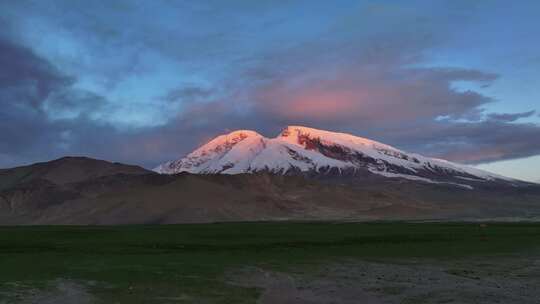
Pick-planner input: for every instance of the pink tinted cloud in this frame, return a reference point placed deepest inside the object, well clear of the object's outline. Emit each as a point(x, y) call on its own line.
point(366, 95)
point(313, 103)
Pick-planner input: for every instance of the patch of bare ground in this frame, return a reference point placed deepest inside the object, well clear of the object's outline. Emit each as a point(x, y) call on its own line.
point(464, 281)
point(284, 288)
point(59, 291)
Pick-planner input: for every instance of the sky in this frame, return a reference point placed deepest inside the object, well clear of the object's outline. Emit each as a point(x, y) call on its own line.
point(143, 82)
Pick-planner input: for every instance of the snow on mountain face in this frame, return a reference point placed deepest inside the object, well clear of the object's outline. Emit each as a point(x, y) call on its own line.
point(229, 151)
point(302, 149)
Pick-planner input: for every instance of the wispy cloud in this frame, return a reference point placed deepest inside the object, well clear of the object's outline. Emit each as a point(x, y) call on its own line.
point(510, 117)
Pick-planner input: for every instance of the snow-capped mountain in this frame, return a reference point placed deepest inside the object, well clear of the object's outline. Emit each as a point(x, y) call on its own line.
point(305, 150)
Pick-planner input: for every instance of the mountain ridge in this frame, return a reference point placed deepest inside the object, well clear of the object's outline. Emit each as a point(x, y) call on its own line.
point(68, 169)
point(105, 193)
point(304, 150)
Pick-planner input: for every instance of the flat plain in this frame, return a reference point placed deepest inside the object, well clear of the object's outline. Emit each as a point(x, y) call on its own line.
point(272, 262)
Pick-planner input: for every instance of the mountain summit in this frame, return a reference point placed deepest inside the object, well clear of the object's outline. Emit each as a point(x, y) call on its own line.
point(303, 150)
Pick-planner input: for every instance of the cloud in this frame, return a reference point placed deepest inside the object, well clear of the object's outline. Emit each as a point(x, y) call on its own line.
point(42, 115)
point(187, 93)
point(26, 78)
point(98, 70)
point(374, 96)
point(469, 142)
point(510, 117)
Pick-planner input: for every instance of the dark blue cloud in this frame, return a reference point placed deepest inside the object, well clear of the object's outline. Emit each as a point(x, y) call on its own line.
point(26, 78)
point(510, 117)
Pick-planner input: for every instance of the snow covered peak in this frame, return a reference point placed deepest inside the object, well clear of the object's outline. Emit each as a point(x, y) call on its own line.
point(224, 148)
point(299, 134)
point(302, 149)
point(230, 138)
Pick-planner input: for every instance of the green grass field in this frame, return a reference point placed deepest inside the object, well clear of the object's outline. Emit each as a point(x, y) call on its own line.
point(149, 264)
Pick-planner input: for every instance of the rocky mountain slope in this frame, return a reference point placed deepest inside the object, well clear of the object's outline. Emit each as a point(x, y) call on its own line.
point(84, 191)
point(64, 170)
point(322, 154)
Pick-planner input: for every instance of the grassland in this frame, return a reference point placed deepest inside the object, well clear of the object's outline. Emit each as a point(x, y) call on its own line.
point(180, 263)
